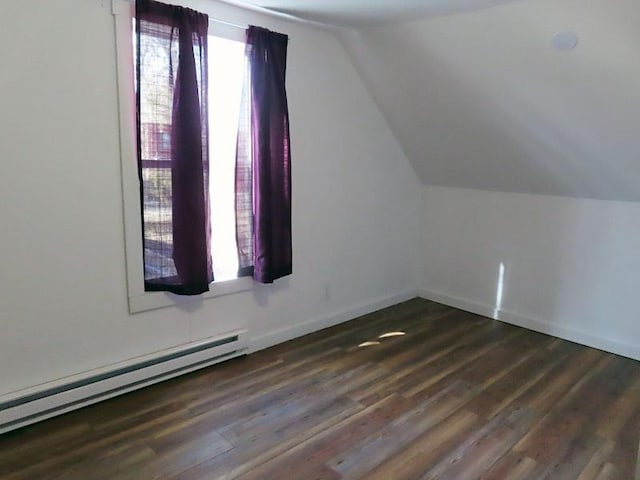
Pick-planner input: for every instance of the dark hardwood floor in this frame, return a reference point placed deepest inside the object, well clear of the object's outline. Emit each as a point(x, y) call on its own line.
point(457, 397)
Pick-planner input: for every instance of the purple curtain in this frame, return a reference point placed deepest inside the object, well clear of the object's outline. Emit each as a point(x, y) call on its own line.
point(263, 163)
point(173, 163)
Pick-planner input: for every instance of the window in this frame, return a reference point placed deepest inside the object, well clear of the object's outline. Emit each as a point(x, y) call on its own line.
point(185, 117)
point(226, 58)
point(226, 46)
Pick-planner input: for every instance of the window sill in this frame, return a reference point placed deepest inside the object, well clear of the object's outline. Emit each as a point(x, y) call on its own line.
point(154, 300)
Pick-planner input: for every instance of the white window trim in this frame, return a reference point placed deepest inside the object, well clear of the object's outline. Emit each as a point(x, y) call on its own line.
point(139, 300)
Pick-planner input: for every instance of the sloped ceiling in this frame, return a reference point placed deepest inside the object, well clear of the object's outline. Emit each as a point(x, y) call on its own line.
point(362, 13)
point(481, 99)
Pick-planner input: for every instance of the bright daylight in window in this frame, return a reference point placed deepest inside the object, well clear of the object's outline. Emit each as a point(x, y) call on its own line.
point(226, 71)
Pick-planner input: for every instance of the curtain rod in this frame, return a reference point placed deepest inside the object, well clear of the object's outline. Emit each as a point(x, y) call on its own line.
point(229, 24)
point(124, 6)
point(275, 13)
point(117, 7)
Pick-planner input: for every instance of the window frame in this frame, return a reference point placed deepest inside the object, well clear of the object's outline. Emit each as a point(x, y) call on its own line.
point(138, 299)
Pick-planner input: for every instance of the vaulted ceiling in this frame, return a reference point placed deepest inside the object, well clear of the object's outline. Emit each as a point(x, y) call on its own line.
point(360, 13)
point(481, 99)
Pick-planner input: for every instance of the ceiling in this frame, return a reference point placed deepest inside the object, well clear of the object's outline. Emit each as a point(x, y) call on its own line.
point(363, 13)
point(482, 100)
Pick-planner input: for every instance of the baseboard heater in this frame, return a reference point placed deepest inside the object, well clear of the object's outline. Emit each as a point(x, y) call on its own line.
point(35, 404)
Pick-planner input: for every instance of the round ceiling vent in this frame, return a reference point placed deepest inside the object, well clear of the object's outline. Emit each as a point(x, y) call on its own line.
point(565, 41)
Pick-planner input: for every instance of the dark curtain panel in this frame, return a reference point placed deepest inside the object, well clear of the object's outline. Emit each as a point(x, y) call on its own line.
point(266, 142)
point(171, 83)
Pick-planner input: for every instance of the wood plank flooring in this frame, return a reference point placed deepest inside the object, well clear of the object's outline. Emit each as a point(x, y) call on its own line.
point(457, 396)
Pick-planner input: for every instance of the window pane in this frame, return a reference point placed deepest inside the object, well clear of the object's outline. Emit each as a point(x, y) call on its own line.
point(226, 70)
point(156, 97)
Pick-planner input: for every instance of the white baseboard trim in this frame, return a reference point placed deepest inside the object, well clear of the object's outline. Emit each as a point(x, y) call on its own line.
point(544, 326)
point(289, 333)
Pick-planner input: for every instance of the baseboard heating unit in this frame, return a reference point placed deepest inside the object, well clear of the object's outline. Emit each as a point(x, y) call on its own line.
point(31, 405)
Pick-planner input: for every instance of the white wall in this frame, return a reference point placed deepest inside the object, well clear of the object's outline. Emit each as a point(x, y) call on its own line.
point(63, 296)
point(481, 101)
point(571, 266)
